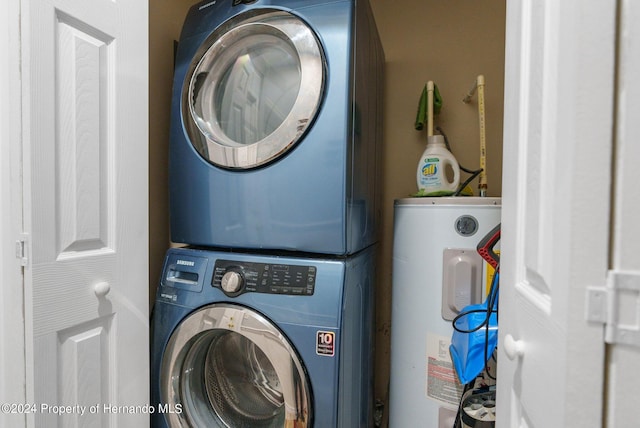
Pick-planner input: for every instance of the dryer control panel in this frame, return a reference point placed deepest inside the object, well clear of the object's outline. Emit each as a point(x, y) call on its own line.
point(235, 278)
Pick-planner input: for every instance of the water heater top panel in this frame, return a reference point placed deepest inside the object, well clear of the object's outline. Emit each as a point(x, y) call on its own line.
point(450, 201)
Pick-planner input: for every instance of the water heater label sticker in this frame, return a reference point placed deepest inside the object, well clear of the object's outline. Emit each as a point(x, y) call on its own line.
point(442, 384)
point(325, 343)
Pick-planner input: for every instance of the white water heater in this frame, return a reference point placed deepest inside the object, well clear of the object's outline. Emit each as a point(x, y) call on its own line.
point(436, 272)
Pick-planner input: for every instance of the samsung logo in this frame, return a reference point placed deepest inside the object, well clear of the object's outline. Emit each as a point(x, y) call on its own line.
point(170, 297)
point(185, 263)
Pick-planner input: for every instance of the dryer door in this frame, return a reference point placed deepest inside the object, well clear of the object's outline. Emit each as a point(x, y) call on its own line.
point(228, 366)
point(253, 88)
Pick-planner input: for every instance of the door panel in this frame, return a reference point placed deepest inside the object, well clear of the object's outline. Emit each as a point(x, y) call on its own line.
point(623, 374)
point(12, 357)
point(85, 145)
point(555, 230)
point(86, 208)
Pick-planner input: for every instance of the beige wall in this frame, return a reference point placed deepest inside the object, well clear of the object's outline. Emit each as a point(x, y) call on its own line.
point(165, 21)
point(449, 42)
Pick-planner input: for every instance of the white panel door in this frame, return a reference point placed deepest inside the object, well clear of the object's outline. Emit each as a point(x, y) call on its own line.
point(12, 389)
point(556, 194)
point(623, 375)
point(85, 111)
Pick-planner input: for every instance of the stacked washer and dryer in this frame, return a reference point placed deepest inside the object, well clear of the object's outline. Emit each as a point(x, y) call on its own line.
point(265, 317)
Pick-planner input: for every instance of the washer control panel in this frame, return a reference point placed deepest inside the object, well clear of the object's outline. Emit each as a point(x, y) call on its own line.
point(235, 278)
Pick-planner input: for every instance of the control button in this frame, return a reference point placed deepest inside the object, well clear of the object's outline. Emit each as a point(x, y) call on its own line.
point(231, 282)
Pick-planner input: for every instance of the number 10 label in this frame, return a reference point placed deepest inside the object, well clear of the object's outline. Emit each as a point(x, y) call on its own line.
point(325, 343)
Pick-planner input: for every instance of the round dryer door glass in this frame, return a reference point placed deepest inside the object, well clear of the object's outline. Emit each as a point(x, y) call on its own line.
point(227, 366)
point(253, 89)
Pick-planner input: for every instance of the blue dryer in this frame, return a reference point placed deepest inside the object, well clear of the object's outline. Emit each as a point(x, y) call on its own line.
point(244, 340)
point(276, 126)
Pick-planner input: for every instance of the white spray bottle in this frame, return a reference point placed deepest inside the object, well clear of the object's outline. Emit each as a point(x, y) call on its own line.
point(431, 175)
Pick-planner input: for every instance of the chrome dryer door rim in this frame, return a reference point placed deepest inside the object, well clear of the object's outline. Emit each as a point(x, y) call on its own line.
point(253, 89)
point(228, 365)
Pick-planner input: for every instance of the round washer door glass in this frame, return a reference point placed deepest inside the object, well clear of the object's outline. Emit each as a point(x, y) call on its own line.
point(253, 89)
point(228, 366)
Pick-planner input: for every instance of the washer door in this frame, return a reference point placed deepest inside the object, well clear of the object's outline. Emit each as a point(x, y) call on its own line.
point(227, 366)
point(254, 87)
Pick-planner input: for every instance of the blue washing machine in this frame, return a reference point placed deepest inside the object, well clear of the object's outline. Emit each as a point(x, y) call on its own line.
point(276, 126)
point(242, 340)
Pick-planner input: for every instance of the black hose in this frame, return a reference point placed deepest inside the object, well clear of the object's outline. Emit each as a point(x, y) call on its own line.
point(467, 181)
point(474, 173)
point(491, 302)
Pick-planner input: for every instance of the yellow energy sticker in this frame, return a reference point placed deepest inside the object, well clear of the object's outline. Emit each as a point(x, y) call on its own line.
point(325, 343)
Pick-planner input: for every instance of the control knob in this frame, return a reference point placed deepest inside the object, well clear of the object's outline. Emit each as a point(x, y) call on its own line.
point(231, 282)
